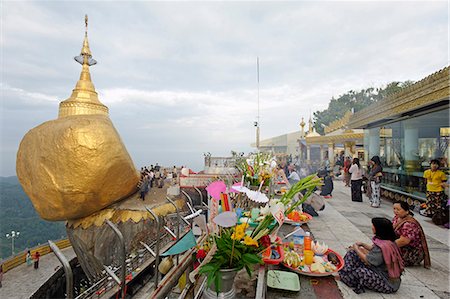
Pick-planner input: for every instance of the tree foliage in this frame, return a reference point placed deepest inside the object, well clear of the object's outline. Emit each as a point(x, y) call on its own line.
point(356, 100)
point(18, 214)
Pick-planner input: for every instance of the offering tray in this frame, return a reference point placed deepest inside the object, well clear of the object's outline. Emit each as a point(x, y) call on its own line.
point(298, 249)
point(292, 222)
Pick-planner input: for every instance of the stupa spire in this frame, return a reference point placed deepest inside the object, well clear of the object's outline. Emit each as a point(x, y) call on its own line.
point(86, 50)
point(84, 98)
point(302, 125)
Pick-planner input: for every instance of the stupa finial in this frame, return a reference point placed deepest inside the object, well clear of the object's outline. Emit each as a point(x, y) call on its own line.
point(84, 98)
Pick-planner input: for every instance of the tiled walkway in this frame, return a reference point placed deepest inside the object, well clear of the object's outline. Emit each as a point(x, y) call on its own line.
point(344, 222)
point(23, 281)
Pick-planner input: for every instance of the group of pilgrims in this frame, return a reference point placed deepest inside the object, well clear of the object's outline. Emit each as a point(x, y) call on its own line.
point(152, 177)
point(396, 244)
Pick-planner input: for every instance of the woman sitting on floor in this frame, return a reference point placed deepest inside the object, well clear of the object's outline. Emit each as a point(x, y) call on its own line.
point(411, 238)
point(375, 267)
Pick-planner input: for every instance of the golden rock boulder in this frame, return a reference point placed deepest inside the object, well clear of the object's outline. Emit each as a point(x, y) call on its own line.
point(74, 166)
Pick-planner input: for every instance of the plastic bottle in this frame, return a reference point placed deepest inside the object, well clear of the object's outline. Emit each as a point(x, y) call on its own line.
point(298, 237)
point(307, 241)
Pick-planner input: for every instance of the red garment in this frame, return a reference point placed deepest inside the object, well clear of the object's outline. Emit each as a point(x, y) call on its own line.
point(409, 230)
point(391, 255)
point(409, 227)
point(347, 165)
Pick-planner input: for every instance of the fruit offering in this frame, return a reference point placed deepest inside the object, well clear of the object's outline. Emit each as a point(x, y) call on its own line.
point(292, 259)
point(297, 216)
point(322, 265)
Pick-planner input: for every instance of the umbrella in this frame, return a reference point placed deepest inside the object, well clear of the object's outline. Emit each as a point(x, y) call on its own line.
point(216, 188)
point(257, 196)
point(239, 188)
point(226, 219)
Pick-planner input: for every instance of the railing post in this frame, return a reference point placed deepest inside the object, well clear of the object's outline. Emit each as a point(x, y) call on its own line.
point(148, 249)
point(189, 202)
point(201, 197)
point(178, 220)
point(123, 253)
point(67, 269)
point(158, 228)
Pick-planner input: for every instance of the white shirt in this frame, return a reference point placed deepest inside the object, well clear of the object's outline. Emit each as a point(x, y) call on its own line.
point(294, 177)
point(356, 172)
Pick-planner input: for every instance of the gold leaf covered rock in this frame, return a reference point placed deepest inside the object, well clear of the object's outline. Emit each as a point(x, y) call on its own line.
point(77, 164)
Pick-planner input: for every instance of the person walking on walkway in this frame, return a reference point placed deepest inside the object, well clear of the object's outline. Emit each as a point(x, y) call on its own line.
point(28, 258)
point(375, 174)
point(37, 255)
point(376, 267)
point(411, 238)
point(356, 173)
point(435, 180)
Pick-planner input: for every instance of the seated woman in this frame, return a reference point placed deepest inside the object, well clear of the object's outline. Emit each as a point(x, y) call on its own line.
point(327, 187)
point(411, 238)
point(375, 267)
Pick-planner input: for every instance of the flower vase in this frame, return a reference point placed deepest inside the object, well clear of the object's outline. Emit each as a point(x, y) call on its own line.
point(226, 286)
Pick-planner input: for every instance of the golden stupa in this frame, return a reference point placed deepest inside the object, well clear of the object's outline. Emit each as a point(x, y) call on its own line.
point(77, 164)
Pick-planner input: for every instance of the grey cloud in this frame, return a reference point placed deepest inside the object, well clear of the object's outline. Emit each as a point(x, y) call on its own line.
point(173, 72)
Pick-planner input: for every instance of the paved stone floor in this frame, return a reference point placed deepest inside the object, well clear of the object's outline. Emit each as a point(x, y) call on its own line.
point(23, 281)
point(344, 222)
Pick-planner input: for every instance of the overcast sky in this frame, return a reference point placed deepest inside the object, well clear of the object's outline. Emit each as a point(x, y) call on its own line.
point(180, 78)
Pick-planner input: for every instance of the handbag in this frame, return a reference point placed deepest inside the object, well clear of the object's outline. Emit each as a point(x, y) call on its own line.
point(440, 217)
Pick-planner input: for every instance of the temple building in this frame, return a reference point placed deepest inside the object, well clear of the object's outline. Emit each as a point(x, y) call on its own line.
point(407, 130)
point(338, 139)
point(288, 147)
point(312, 149)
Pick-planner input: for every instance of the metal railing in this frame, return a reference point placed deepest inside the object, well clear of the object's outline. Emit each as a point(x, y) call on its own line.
point(20, 258)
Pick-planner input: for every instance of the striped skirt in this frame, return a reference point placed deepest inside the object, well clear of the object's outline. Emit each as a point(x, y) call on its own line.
point(360, 277)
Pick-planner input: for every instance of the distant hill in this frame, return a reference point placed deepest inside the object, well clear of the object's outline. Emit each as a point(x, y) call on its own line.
point(13, 180)
point(17, 213)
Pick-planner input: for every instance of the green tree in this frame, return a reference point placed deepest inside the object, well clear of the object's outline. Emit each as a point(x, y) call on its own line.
point(356, 100)
point(17, 213)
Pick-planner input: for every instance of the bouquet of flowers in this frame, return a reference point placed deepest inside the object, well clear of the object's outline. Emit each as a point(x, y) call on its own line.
point(237, 247)
point(256, 169)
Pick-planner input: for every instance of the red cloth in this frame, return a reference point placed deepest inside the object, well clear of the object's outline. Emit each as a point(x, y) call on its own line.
point(409, 227)
point(347, 165)
point(391, 255)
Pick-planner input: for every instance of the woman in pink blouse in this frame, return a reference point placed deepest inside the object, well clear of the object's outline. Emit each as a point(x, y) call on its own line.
point(411, 238)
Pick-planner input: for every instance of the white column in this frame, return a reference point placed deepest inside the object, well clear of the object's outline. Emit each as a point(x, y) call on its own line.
point(366, 146)
point(411, 133)
point(331, 153)
point(300, 150)
point(353, 148)
point(374, 142)
point(347, 149)
point(321, 153)
point(387, 150)
point(308, 154)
